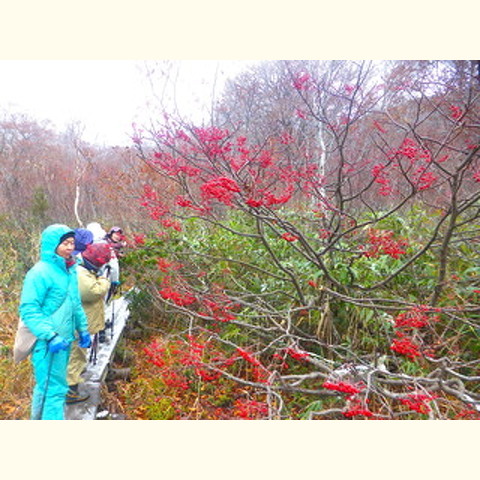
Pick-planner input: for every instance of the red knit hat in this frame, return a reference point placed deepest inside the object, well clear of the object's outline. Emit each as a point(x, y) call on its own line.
point(98, 254)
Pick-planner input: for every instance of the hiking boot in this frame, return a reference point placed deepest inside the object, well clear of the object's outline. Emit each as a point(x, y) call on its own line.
point(102, 337)
point(74, 396)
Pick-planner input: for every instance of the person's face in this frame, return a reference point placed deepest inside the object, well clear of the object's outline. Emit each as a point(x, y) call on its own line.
point(66, 248)
point(117, 236)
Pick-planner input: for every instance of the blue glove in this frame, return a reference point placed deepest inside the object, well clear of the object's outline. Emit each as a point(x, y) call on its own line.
point(115, 284)
point(85, 341)
point(57, 343)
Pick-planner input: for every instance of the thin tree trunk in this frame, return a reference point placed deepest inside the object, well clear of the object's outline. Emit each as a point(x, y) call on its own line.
point(76, 203)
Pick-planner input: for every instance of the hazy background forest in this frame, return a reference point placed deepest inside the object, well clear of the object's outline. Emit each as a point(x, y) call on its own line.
point(309, 249)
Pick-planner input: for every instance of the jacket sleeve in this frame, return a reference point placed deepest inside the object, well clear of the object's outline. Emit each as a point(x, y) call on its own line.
point(79, 316)
point(34, 291)
point(92, 288)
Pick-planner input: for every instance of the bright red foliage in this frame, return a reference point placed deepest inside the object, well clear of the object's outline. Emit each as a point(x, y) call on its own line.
point(250, 409)
point(289, 237)
point(418, 402)
point(405, 346)
point(382, 243)
point(220, 188)
point(343, 387)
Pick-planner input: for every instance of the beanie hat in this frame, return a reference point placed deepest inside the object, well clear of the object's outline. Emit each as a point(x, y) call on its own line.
point(83, 238)
point(98, 254)
point(65, 236)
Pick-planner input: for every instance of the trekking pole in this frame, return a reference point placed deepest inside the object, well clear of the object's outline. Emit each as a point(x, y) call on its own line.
point(94, 350)
point(45, 389)
point(112, 321)
point(109, 300)
point(108, 270)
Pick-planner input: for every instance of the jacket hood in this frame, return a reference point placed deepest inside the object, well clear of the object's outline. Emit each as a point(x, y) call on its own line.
point(49, 241)
point(83, 238)
point(97, 231)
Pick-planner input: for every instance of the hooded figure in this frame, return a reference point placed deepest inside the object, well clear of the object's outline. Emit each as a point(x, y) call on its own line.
point(50, 307)
point(116, 239)
point(98, 232)
point(83, 238)
point(93, 288)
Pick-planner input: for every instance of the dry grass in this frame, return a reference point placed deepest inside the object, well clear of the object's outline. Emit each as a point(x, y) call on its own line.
point(16, 380)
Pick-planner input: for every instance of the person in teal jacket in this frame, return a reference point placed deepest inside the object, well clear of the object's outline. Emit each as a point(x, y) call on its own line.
point(51, 308)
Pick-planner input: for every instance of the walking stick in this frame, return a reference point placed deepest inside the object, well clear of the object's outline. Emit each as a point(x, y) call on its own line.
point(108, 300)
point(47, 381)
point(94, 350)
point(112, 320)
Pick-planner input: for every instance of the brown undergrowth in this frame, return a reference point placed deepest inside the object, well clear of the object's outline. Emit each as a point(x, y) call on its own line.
point(154, 393)
point(15, 379)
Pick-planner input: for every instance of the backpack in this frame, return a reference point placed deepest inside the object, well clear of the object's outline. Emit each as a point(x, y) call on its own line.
point(24, 342)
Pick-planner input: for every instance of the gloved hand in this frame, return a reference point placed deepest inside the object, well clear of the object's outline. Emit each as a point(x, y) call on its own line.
point(85, 341)
point(57, 343)
point(115, 284)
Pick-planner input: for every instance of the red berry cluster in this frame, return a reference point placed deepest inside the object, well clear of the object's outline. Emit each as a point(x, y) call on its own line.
point(408, 341)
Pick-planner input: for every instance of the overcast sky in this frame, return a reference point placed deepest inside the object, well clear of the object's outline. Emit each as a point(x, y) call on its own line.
point(106, 97)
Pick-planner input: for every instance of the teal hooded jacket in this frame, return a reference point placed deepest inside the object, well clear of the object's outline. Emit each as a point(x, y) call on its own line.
point(48, 285)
